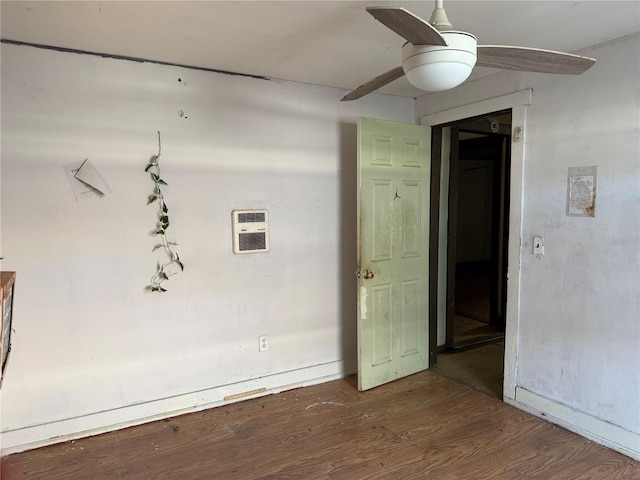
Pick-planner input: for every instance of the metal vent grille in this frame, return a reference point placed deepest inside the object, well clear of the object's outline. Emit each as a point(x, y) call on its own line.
point(251, 217)
point(250, 231)
point(252, 241)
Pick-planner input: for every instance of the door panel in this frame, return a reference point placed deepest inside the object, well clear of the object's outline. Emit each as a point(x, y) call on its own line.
point(410, 318)
point(411, 219)
point(381, 220)
point(393, 250)
point(381, 328)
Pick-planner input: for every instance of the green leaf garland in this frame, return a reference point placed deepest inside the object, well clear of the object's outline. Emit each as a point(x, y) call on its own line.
point(168, 268)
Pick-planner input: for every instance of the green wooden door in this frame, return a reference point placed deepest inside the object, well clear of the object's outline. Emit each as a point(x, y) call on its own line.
point(393, 250)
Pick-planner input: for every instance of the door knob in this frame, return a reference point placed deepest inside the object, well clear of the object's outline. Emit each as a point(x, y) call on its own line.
point(367, 275)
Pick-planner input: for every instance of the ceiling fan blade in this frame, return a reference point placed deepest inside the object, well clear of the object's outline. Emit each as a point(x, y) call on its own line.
point(532, 60)
point(409, 26)
point(374, 84)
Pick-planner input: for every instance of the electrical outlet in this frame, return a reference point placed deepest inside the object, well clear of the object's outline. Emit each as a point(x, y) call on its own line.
point(538, 245)
point(263, 343)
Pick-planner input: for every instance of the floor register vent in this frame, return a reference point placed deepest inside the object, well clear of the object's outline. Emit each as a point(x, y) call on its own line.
point(250, 231)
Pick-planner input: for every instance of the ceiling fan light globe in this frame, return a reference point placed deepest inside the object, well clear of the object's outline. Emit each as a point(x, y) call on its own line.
point(434, 68)
point(436, 77)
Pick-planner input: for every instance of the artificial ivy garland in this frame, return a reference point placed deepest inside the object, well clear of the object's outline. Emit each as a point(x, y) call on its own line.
point(163, 270)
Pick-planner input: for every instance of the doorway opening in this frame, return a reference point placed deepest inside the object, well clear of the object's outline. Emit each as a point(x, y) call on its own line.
point(476, 250)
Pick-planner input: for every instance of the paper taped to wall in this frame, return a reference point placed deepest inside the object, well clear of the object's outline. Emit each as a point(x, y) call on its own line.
point(581, 192)
point(85, 180)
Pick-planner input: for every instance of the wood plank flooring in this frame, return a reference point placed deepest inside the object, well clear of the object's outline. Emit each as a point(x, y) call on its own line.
point(426, 426)
point(480, 368)
point(469, 333)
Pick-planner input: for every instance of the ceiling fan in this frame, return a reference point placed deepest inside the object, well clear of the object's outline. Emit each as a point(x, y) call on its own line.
point(437, 57)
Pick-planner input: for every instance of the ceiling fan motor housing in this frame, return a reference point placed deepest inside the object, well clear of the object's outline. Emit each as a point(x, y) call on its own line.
point(434, 68)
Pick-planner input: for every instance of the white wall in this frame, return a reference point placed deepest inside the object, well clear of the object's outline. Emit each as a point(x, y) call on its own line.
point(578, 350)
point(92, 348)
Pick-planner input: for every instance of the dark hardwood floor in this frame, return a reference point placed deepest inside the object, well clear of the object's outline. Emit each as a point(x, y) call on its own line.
point(469, 333)
point(426, 426)
point(481, 368)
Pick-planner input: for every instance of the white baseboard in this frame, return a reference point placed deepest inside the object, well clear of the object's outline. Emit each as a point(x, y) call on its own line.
point(18, 440)
point(595, 429)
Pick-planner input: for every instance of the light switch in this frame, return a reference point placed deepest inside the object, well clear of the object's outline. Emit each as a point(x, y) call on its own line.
point(538, 245)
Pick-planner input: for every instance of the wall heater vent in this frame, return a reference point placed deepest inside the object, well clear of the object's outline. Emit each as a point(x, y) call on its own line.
point(250, 231)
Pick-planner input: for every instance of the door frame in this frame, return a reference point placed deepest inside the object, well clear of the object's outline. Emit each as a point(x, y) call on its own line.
point(517, 102)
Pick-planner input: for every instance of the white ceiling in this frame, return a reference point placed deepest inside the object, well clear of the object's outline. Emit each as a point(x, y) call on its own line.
point(332, 43)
